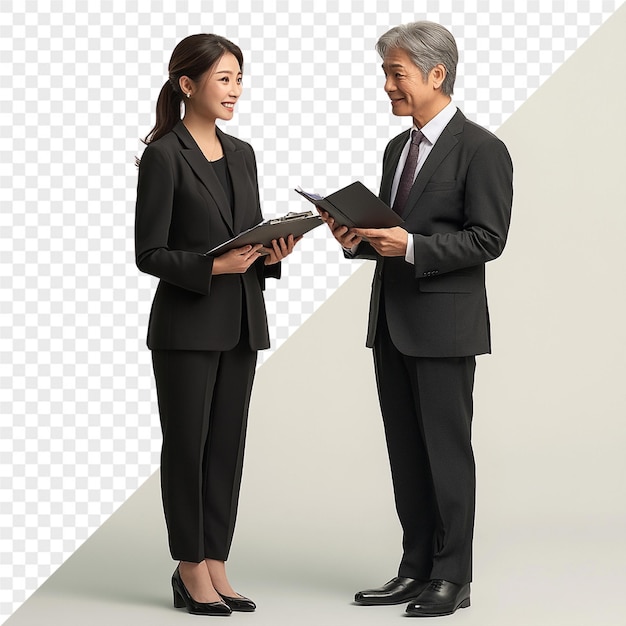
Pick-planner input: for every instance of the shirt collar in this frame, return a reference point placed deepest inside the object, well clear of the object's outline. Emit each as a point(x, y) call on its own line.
point(433, 129)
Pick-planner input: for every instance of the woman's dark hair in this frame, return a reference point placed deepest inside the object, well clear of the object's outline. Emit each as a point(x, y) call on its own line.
point(192, 57)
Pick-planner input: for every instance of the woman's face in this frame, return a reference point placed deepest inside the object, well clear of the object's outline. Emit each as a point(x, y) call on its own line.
point(217, 90)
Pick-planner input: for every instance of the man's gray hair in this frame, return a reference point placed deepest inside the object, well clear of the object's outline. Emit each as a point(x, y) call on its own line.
point(428, 44)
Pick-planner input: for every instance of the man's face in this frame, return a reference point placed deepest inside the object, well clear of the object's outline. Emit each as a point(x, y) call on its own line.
point(410, 94)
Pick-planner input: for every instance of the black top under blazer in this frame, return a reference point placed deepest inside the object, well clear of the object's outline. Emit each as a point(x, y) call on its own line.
point(182, 212)
point(458, 213)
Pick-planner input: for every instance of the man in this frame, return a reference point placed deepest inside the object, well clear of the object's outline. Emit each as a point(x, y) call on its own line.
point(451, 182)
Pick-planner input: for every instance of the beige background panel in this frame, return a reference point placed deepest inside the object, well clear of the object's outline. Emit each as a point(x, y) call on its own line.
point(554, 391)
point(316, 517)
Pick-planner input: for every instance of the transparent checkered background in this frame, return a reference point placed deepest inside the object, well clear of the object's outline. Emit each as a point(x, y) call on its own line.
point(79, 427)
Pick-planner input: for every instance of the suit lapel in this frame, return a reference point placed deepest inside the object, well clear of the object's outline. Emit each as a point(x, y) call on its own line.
point(201, 168)
point(235, 161)
point(447, 140)
point(393, 156)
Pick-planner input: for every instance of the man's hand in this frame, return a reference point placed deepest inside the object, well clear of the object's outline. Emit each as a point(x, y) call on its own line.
point(347, 237)
point(386, 241)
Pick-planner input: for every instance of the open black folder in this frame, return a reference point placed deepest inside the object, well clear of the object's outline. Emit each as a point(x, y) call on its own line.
point(355, 206)
point(295, 224)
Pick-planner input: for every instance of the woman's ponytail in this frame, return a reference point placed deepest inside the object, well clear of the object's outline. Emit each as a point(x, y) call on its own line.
point(167, 111)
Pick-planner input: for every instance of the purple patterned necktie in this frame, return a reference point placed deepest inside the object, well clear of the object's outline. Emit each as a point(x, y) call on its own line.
point(408, 173)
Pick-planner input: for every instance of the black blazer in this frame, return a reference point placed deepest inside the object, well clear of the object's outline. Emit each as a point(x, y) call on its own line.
point(458, 213)
point(182, 212)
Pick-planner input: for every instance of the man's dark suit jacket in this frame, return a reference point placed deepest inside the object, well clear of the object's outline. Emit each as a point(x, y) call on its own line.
point(458, 213)
point(182, 212)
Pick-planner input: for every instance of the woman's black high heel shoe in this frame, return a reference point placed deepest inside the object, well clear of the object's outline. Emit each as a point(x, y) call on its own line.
point(240, 603)
point(182, 598)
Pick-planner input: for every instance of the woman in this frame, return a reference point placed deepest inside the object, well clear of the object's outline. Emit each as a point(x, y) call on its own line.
point(198, 188)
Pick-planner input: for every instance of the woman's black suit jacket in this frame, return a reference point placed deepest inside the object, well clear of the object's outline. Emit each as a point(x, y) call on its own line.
point(182, 212)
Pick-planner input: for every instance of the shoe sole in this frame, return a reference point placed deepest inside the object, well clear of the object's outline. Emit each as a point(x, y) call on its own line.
point(383, 602)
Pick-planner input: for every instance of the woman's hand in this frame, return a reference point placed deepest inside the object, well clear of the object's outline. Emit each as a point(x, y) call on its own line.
point(237, 261)
point(280, 249)
point(347, 237)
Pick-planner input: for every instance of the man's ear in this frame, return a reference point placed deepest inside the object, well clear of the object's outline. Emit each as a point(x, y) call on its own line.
point(438, 75)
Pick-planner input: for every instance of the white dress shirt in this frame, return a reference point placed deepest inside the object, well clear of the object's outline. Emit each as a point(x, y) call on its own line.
point(431, 131)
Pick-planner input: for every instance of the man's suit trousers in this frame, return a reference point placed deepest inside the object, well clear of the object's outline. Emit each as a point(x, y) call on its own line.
point(426, 405)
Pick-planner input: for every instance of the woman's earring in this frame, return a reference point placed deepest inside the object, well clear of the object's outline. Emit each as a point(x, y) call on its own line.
point(189, 94)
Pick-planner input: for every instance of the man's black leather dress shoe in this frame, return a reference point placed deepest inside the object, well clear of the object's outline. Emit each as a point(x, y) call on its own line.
point(440, 598)
point(396, 591)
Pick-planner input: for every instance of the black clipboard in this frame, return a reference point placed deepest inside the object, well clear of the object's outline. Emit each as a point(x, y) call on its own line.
point(295, 224)
point(355, 206)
